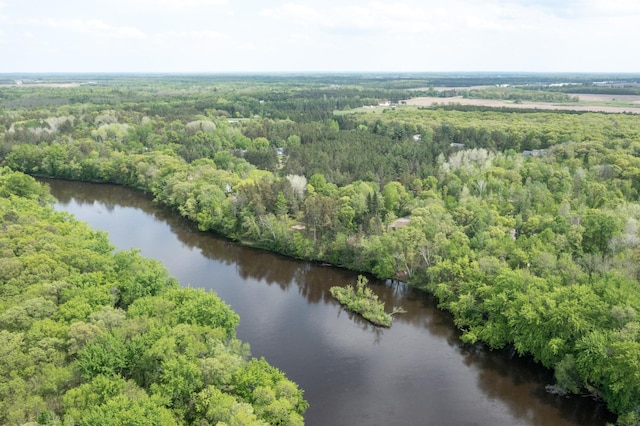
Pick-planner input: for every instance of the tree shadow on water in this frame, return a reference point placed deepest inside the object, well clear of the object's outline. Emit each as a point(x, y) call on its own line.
point(521, 384)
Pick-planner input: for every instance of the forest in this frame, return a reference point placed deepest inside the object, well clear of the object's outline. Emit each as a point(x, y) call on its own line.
point(523, 223)
point(92, 337)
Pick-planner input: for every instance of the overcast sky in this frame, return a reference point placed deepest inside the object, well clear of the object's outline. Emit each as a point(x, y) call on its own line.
point(319, 35)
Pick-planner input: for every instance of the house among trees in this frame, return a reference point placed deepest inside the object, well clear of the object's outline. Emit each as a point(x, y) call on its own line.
point(535, 153)
point(400, 223)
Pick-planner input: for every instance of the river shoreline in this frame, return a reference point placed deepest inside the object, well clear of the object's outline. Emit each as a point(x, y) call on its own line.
point(272, 278)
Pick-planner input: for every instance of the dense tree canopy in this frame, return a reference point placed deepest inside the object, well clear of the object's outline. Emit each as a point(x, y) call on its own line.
point(523, 223)
point(88, 336)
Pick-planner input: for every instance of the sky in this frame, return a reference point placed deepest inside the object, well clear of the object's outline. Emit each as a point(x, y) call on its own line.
point(220, 36)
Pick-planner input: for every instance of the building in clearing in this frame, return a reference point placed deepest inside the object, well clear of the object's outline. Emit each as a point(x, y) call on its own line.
point(535, 153)
point(400, 223)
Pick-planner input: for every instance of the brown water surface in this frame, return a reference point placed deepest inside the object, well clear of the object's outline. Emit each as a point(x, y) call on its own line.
point(415, 373)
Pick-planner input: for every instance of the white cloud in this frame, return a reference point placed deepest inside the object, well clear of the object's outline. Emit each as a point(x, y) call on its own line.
point(515, 19)
point(563, 8)
point(173, 5)
point(298, 14)
point(510, 35)
point(578, 9)
point(619, 8)
point(397, 18)
point(196, 34)
point(190, 3)
point(400, 19)
point(372, 18)
point(412, 35)
point(480, 23)
point(94, 27)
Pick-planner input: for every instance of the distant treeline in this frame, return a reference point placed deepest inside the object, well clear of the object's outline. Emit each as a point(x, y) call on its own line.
point(482, 108)
point(599, 90)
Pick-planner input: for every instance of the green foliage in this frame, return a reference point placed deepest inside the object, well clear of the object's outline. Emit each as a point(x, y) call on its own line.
point(138, 278)
point(276, 400)
point(111, 400)
point(216, 407)
point(193, 306)
point(22, 186)
point(514, 94)
point(599, 230)
point(523, 223)
point(92, 337)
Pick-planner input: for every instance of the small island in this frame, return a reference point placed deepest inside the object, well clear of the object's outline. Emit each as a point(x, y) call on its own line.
point(362, 300)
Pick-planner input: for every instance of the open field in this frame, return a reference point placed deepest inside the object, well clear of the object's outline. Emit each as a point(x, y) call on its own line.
point(594, 103)
point(629, 99)
point(62, 85)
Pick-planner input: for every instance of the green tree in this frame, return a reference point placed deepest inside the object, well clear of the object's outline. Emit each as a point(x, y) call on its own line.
point(599, 229)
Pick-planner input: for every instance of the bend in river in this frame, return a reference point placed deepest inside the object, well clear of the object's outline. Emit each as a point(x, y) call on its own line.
point(416, 372)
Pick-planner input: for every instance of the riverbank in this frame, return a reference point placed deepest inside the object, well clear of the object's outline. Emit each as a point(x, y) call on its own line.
point(80, 328)
point(297, 245)
point(509, 212)
point(344, 364)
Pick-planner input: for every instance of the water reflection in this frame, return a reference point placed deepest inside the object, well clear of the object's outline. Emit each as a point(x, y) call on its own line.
point(416, 372)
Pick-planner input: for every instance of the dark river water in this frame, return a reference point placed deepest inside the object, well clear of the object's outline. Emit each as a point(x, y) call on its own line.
point(415, 373)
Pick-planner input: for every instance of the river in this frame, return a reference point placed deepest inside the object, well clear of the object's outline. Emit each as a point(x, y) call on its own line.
point(415, 373)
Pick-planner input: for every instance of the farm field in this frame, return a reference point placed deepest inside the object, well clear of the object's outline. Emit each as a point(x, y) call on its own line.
point(590, 102)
